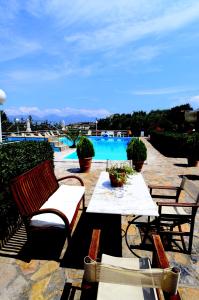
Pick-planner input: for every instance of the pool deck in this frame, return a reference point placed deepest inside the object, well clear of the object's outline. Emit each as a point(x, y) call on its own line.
point(45, 279)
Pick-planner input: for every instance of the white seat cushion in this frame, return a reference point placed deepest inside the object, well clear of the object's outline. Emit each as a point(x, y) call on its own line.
point(65, 199)
point(172, 210)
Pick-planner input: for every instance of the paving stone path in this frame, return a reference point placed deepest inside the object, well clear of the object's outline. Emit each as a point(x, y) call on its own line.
point(45, 279)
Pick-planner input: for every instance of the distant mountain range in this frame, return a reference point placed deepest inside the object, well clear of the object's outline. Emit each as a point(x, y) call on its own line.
point(54, 118)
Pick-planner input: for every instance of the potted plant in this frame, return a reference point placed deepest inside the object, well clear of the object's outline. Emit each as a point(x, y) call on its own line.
point(192, 149)
point(118, 174)
point(137, 152)
point(85, 152)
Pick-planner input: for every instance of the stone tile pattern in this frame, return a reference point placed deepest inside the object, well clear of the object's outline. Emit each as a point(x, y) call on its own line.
point(43, 279)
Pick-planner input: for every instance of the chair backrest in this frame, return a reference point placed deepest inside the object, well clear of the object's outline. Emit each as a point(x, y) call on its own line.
point(159, 261)
point(33, 188)
point(190, 188)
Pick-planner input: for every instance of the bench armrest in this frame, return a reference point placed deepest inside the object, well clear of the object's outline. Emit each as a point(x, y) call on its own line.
point(70, 177)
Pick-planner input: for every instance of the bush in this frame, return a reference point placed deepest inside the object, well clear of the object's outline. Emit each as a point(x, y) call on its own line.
point(136, 150)
point(15, 159)
point(169, 143)
point(176, 144)
point(85, 148)
point(192, 146)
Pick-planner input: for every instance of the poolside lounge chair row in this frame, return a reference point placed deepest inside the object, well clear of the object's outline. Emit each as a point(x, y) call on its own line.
point(109, 133)
point(46, 134)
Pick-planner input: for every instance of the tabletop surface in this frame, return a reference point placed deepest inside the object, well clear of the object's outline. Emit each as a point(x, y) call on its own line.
point(131, 199)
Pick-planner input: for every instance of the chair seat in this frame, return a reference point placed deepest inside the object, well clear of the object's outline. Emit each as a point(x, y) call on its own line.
point(111, 291)
point(71, 195)
point(172, 210)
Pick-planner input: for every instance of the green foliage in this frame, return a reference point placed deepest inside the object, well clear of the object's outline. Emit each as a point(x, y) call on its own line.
point(120, 172)
point(85, 148)
point(192, 146)
point(72, 135)
point(117, 169)
point(136, 150)
point(170, 143)
point(15, 159)
point(176, 144)
point(168, 120)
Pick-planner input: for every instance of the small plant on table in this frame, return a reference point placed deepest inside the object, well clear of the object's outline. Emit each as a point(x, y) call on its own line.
point(118, 174)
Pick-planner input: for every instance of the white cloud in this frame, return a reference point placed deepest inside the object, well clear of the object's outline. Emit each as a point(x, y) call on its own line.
point(17, 47)
point(102, 24)
point(48, 74)
point(64, 112)
point(146, 52)
point(133, 22)
point(161, 91)
point(194, 99)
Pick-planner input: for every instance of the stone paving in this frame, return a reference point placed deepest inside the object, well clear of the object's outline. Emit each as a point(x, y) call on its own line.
point(45, 279)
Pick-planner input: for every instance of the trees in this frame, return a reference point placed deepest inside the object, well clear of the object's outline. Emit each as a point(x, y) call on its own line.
point(5, 122)
point(163, 120)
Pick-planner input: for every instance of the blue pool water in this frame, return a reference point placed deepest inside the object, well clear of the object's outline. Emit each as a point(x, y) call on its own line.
point(112, 148)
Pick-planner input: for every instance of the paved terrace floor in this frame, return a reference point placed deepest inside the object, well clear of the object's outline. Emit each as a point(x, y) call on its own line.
point(45, 279)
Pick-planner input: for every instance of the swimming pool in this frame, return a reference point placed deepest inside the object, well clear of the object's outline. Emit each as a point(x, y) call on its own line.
point(112, 148)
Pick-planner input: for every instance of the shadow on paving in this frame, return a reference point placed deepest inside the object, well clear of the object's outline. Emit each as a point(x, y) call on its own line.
point(43, 245)
point(110, 241)
point(48, 244)
point(191, 177)
point(181, 165)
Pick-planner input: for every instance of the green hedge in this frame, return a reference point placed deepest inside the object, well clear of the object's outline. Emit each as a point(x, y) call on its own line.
point(15, 159)
point(175, 144)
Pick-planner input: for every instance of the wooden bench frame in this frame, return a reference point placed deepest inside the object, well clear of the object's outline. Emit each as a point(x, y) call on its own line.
point(33, 188)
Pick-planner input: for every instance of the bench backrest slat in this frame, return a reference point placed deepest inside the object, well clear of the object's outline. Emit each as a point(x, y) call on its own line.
point(33, 188)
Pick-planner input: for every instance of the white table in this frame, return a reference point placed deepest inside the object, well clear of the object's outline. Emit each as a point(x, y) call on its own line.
point(131, 199)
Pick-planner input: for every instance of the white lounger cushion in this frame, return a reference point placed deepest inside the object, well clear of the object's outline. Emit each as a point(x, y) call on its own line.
point(65, 199)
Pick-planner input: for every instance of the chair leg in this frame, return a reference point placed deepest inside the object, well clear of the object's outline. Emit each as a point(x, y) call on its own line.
point(182, 239)
point(191, 235)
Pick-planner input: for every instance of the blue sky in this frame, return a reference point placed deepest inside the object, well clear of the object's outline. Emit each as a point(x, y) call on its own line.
point(98, 57)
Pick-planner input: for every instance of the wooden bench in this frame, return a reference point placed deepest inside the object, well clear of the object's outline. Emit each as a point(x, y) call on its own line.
point(43, 203)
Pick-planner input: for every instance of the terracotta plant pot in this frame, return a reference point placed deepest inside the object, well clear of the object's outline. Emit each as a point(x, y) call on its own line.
point(138, 165)
point(115, 182)
point(85, 164)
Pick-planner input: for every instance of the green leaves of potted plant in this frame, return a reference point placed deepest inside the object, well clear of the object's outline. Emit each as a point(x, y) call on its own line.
point(118, 174)
point(137, 152)
point(192, 149)
point(85, 152)
point(72, 135)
